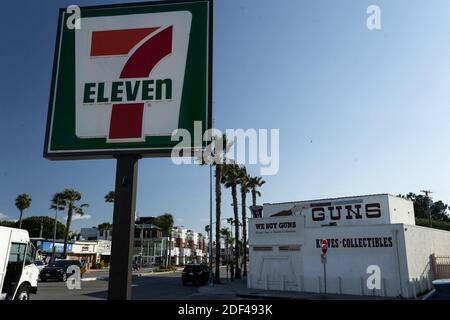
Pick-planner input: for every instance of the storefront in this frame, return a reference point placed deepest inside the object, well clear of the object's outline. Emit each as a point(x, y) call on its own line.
point(364, 233)
point(84, 251)
point(44, 248)
point(103, 250)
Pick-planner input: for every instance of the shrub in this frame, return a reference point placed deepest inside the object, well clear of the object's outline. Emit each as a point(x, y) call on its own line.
point(437, 224)
point(163, 269)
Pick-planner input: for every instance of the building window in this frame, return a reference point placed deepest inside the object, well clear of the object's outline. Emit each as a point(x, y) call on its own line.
point(289, 248)
point(262, 248)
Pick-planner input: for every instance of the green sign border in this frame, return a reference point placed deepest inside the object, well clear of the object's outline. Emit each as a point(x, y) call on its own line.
point(61, 143)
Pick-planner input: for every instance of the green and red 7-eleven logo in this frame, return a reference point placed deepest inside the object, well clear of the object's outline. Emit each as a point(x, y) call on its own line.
point(129, 77)
point(127, 118)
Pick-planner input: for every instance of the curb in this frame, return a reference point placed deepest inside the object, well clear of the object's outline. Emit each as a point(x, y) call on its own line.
point(264, 297)
point(154, 273)
point(89, 279)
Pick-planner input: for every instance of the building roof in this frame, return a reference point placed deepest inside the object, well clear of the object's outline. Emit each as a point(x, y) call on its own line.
point(335, 198)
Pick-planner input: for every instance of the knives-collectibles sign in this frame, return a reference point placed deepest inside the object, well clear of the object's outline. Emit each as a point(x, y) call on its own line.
point(128, 77)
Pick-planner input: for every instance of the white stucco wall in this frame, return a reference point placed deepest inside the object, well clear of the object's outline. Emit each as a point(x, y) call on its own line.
point(346, 264)
point(289, 257)
point(401, 210)
point(421, 243)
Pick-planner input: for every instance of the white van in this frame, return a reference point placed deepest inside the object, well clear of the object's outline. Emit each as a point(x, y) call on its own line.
point(18, 274)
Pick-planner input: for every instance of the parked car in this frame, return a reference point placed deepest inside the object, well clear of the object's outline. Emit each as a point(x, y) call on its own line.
point(58, 270)
point(196, 274)
point(441, 290)
point(39, 264)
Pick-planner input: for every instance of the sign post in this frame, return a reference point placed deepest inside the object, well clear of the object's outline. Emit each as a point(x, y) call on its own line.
point(123, 228)
point(126, 78)
point(324, 262)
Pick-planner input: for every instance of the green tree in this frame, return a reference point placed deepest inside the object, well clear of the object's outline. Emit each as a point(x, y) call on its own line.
point(228, 241)
point(243, 181)
point(423, 206)
point(109, 197)
point(8, 224)
point(33, 226)
point(57, 204)
point(165, 223)
point(253, 184)
point(230, 180)
point(23, 202)
point(215, 155)
point(104, 228)
point(71, 198)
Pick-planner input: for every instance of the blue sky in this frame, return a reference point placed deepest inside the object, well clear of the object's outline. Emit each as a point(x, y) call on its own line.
point(359, 111)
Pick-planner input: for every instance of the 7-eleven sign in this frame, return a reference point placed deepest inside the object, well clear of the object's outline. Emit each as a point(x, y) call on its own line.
point(128, 78)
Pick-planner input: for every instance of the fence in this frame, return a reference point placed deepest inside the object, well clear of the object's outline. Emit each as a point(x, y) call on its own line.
point(441, 266)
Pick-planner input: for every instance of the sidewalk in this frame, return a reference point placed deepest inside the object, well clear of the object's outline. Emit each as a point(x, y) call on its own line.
point(238, 289)
point(103, 274)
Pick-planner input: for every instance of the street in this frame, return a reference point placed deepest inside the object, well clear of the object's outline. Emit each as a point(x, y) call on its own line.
point(166, 286)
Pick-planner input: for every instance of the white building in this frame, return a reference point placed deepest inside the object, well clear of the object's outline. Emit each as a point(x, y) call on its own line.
point(95, 234)
point(376, 232)
point(188, 246)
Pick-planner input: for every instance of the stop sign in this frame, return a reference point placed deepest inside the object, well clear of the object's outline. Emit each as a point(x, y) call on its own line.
point(324, 246)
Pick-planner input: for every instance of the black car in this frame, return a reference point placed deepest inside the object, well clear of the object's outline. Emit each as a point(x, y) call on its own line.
point(196, 274)
point(58, 270)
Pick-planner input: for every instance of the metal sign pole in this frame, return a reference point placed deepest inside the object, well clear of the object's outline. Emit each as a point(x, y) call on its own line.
point(123, 228)
point(325, 274)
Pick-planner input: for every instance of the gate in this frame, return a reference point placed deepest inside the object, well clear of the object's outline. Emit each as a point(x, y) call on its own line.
point(441, 266)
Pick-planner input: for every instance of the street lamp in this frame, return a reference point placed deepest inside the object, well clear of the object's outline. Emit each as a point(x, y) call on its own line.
point(211, 282)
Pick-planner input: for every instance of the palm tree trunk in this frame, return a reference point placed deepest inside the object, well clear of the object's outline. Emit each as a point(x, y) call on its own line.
point(20, 219)
point(218, 214)
point(66, 234)
point(170, 249)
point(254, 197)
point(54, 232)
point(244, 230)
point(236, 227)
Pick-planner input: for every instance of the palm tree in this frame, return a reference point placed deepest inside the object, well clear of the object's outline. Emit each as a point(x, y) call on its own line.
point(57, 204)
point(253, 184)
point(230, 179)
point(228, 240)
point(244, 184)
point(165, 222)
point(70, 198)
point(23, 202)
point(104, 228)
point(109, 198)
point(217, 158)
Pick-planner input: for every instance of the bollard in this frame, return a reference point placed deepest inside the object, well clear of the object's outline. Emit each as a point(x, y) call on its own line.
point(267, 282)
point(362, 286)
point(320, 284)
point(340, 285)
point(413, 283)
point(283, 284)
point(383, 283)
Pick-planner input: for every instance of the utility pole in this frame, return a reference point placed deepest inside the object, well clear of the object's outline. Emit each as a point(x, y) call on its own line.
point(42, 227)
point(428, 205)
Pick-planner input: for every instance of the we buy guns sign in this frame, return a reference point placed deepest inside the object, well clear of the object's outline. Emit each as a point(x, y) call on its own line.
point(128, 77)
